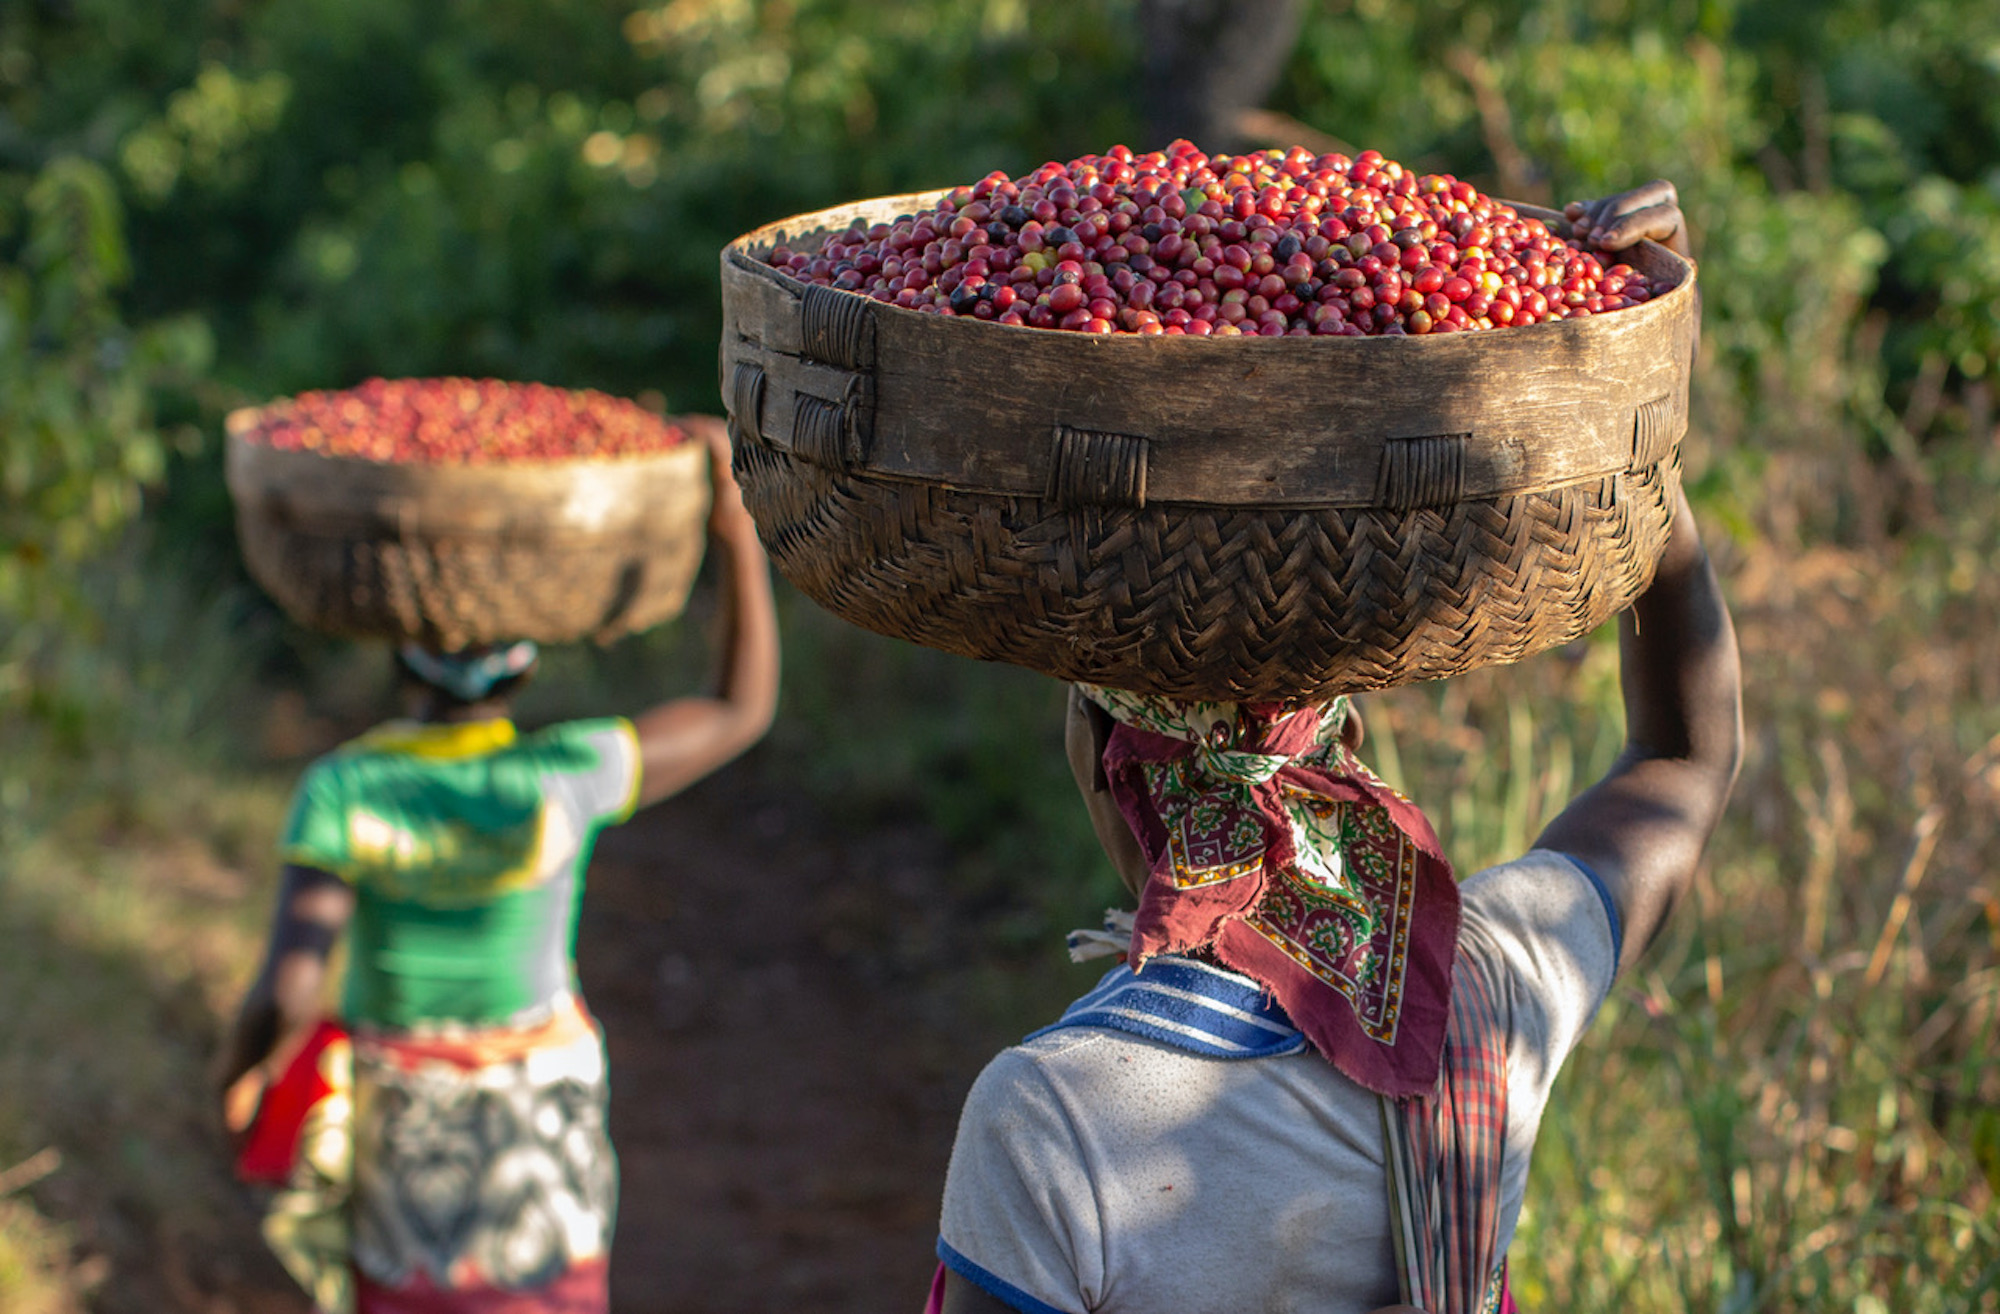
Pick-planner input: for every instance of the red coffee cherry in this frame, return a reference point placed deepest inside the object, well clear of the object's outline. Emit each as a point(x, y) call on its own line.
point(463, 422)
point(1180, 242)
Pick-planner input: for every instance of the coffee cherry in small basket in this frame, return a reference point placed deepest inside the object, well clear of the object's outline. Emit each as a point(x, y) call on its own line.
point(462, 422)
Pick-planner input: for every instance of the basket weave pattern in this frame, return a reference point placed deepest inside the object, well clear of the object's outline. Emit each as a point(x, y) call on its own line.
point(457, 593)
point(457, 556)
point(1226, 603)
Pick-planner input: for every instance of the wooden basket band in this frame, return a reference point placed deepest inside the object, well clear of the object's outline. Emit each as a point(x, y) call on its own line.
point(842, 382)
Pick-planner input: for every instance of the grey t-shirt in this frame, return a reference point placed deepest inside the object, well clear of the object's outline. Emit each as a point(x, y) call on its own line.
point(1097, 1170)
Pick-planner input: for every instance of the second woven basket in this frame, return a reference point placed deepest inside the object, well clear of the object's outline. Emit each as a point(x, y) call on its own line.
point(460, 555)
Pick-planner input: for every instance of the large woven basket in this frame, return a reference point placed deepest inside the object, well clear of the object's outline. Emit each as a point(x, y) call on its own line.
point(1243, 518)
point(470, 554)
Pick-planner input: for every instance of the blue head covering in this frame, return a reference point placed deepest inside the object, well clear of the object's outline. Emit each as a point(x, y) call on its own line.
point(467, 676)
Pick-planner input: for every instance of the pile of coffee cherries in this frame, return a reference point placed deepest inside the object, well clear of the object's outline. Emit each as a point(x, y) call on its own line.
point(1273, 243)
point(462, 422)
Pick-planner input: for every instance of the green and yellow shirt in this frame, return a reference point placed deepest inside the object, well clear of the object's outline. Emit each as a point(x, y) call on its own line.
point(466, 846)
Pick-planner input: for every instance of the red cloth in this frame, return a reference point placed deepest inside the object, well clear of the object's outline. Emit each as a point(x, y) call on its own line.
point(270, 1147)
point(582, 1289)
point(1363, 965)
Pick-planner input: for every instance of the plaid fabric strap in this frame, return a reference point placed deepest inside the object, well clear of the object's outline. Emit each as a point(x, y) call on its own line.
point(1445, 1154)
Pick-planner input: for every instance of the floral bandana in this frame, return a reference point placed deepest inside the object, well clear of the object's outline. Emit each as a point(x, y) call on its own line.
point(1273, 847)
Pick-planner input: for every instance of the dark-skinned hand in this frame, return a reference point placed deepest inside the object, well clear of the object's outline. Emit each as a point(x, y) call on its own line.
point(1616, 222)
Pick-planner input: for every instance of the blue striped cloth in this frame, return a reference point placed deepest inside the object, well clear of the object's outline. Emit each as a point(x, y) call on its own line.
point(1189, 1005)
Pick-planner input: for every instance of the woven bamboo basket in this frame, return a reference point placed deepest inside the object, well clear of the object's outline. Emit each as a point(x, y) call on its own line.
point(470, 554)
point(1241, 519)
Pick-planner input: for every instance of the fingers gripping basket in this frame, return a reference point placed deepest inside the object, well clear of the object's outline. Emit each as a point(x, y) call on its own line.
point(1242, 518)
point(456, 555)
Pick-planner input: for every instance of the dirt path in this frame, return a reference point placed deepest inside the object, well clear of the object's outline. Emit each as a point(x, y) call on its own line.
point(784, 1085)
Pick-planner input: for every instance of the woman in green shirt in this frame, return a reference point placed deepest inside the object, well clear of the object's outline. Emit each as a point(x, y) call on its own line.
point(469, 1171)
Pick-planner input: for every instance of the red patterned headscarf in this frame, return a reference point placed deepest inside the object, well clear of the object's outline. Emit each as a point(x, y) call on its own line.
point(1271, 846)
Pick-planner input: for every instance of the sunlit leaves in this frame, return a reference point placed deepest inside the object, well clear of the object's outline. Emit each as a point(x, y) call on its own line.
point(204, 132)
point(77, 439)
point(1947, 239)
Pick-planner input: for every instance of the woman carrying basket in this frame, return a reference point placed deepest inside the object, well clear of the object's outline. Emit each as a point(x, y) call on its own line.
point(1315, 1084)
point(444, 1151)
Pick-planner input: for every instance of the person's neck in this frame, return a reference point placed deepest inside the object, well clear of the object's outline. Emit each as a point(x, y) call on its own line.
point(436, 712)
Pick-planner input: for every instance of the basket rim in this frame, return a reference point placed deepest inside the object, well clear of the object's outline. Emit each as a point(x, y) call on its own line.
point(740, 253)
point(240, 423)
point(945, 400)
point(1284, 507)
point(547, 501)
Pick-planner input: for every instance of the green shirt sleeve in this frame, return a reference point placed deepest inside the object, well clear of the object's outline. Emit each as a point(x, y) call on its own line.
point(316, 829)
point(593, 765)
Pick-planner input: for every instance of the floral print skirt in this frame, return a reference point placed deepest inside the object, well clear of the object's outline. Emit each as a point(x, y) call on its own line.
point(480, 1177)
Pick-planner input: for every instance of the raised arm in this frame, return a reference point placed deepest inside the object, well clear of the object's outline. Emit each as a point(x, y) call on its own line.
point(313, 908)
point(1643, 827)
point(683, 740)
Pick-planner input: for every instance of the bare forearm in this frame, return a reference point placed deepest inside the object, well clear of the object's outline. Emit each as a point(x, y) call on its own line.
point(312, 909)
point(747, 638)
point(1643, 828)
point(1678, 664)
point(684, 740)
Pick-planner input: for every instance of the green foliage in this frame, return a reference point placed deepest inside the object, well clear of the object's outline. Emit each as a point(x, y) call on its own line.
point(1837, 162)
point(204, 133)
point(535, 190)
point(76, 395)
point(1947, 243)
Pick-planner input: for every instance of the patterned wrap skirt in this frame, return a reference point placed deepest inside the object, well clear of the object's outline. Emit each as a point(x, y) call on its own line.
point(480, 1179)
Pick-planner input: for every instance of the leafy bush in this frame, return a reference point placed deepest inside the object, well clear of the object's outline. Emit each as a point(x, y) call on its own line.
point(1837, 162)
point(76, 400)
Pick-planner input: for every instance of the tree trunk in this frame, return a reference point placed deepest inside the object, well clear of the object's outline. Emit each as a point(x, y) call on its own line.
point(1209, 61)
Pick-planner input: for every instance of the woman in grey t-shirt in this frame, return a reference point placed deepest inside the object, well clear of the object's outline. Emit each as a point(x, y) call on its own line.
point(1319, 1090)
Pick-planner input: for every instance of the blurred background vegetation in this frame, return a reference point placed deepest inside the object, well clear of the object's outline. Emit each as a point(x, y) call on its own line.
point(205, 203)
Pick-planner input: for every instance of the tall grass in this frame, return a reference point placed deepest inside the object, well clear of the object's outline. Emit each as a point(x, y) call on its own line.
point(1796, 1104)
